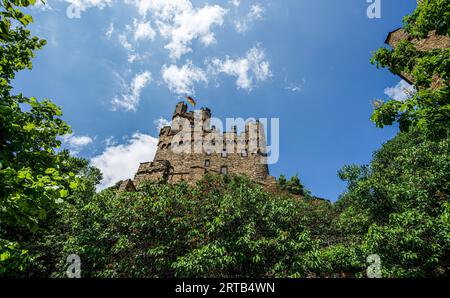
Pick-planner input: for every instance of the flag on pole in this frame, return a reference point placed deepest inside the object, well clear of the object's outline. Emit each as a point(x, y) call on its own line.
point(191, 100)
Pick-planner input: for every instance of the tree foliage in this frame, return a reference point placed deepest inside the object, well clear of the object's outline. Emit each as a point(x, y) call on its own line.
point(402, 198)
point(429, 15)
point(398, 205)
point(222, 227)
point(429, 107)
point(34, 177)
point(293, 185)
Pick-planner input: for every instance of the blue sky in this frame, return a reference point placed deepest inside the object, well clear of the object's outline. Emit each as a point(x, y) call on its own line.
point(123, 65)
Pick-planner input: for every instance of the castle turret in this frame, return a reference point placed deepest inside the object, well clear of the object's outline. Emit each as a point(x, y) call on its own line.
point(206, 114)
point(180, 110)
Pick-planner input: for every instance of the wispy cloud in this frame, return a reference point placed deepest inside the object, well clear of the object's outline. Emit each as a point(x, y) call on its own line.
point(75, 143)
point(109, 31)
point(143, 30)
point(253, 67)
point(129, 99)
point(296, 86)
point(256, 13)
point(235, 2)
point(161, 122)
point(82, 5)
point(123, 40)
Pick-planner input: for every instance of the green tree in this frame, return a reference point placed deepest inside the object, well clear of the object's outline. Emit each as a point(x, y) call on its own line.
point(34, 178)
point(398, 205)
point(293, 185)
point(428, 107)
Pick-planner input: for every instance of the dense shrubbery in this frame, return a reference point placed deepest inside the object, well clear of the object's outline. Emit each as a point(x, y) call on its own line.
point(293, 186)
point(397, 206)
point(223, 226)
point(430, 15)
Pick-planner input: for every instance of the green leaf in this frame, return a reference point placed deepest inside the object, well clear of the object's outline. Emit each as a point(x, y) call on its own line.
point(63, 193)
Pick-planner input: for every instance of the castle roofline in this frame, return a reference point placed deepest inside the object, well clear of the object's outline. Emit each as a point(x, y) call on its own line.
point(386, 41)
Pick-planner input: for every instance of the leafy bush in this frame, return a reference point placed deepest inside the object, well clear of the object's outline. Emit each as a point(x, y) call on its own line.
point(293, 185)
point(223, 226)
point(430, 15)
point(398, 206)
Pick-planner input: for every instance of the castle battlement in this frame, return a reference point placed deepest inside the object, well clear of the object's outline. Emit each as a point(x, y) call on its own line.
point(191, 147)
point(195, 130)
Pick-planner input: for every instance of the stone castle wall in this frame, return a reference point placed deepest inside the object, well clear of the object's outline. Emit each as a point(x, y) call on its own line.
point(431, 42)
point(191, 147)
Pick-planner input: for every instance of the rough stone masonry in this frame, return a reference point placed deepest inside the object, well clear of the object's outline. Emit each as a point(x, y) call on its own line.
point(192, 147)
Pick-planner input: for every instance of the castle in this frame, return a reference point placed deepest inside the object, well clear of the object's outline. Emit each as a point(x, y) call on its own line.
point(192, 147)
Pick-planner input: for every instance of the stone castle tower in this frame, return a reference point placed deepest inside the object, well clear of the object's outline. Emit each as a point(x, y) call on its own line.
point(432, 41)
point(192, 147)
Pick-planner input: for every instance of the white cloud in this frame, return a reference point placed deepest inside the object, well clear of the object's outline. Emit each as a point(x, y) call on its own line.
point(255, 13)
point(40, 5)
point(129, 99)
point(296, 87)
point(120, 162)
point(143, 31)
point(161, 122)
point(235, 2)
point(110, 141)
point(109, 31)
point(123, 40)
point(140, 30)
point(180, 23)
point(182, 80)
point(401, 91)
point(253, 67)
point(75, 143)
point(162, 9)
point(248, 70)
point(85, 4)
